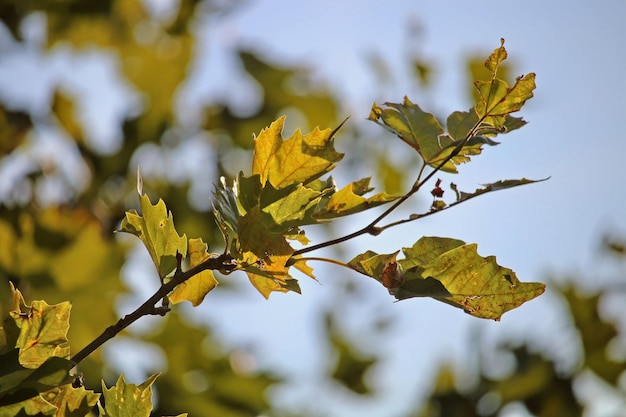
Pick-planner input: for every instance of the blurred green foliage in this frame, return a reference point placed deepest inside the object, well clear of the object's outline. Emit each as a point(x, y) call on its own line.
point(66, 250)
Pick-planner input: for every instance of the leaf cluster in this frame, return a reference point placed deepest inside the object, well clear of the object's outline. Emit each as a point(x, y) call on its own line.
point(261, 213)
point(261, 216)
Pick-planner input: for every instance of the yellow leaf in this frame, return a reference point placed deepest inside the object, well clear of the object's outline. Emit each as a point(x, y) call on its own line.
point(197, 287)
point(38, 330)
point(299, 159)
point(155, 228)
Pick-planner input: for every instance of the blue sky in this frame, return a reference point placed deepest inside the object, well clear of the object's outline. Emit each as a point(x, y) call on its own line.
point(575, 136)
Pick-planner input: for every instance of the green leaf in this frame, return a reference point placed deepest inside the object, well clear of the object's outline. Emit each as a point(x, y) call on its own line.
point(496, 58)
point(450, 271)
point(299, 159)
point(35, 406)
point(127, 400)
point(39, 330)
point(155, 228)
point(461, 123)
point(424, 133)
point(487, 188)
point(226, 212)
point(258, 219)
point(264, 255)
point(288, 207)
point(496, 98)
point(417, 128)
point(74, 402)
point(197, 287)
point(350, 200)
point(18, 383)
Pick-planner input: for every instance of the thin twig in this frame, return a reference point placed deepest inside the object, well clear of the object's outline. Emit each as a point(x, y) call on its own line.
point(371, 228)
point(222, 262)
point(313, 258)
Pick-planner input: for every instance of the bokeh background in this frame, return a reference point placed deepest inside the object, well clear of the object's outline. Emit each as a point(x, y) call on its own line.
point(89, 91)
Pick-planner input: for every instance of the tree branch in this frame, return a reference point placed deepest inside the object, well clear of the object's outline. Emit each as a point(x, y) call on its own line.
point(223, 262)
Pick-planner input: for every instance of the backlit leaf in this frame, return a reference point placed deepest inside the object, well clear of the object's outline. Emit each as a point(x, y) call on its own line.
point(74, 402)
point(350, 200)
point(419, 129)
point(495, 59)
point(299, 159)
point(450, 271)
point(19, 384)
point(226, 211)
point(38, 330)
point(486, 188)
point(264, 255)
point(423, 132)
point(258, 219)
point(155, 228)
point(289, 207)
point(197, 287)
point(127, 400)
point(460, 123)
point(496, 98)
point(35, 406)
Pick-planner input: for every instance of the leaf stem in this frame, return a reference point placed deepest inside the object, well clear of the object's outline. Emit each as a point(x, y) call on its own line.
point(149, 307)
point(329, 260)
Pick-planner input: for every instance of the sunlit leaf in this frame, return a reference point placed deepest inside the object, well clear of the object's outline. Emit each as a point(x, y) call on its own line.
point(423, 132)
point(350, 200)
point(197, 287)
point(18, 383)
point(419, 129)
point(450, 271)
point(38, 330)
point(495, 59)
point(487, 188)
point(299, 159)
point(35, 406)
point(496, 98)
point(264, 255)
point(226, 211)
point(155, 228)
point(74, 402)
point(460, 123)
point(512, 123)
point(303, 267)
point(127, 400)
point(289, 207)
